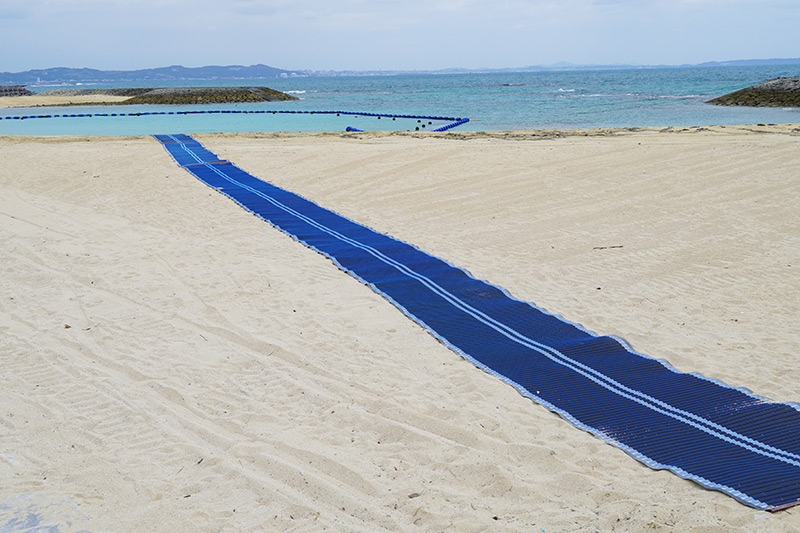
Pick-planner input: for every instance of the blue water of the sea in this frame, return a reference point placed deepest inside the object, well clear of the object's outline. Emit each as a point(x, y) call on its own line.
point(495, 101)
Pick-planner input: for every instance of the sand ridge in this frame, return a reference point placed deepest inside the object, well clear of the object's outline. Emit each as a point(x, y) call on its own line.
point(37, 100)
point(172, 363)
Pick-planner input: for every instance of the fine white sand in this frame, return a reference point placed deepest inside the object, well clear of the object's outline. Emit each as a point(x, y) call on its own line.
point(169, 362)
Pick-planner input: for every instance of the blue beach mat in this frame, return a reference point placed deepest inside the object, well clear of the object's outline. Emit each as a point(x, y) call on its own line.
point(721, 437)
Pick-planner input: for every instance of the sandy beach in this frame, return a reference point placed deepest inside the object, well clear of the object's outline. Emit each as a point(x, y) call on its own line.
point(169, 362)
point(41, 100)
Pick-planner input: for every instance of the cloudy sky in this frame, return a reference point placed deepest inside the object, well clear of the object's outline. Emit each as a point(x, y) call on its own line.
point(391, 34)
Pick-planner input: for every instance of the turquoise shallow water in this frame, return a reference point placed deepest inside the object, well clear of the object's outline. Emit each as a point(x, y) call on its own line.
point(531, 100)
point(146, 120)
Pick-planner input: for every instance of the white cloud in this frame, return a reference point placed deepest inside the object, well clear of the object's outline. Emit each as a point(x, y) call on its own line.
point(355, 34)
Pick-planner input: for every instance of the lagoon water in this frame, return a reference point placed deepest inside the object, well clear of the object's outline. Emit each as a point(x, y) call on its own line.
point(495, 101)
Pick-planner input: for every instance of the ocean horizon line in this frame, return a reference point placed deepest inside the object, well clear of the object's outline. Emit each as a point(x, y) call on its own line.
point(262, 71)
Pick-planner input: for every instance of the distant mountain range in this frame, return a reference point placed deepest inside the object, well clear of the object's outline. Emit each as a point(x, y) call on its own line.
point(751, 63)
point(233, 72)
point(176, 72)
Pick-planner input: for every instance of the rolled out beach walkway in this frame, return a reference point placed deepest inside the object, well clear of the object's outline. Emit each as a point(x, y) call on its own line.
point(722, 437)
point(211, 365)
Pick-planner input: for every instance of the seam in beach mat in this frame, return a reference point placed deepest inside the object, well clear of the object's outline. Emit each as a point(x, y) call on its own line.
point(537, 347)
point(220, 162)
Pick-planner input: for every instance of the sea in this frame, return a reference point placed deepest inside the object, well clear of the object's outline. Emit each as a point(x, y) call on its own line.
point(495, 101)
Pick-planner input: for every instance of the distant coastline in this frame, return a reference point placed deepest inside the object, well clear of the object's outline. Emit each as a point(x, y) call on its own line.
point(233, 72)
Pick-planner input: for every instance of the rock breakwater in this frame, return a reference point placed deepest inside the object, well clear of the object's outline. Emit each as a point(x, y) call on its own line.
point(779, 92)
point(14, 90)
point(181, 95)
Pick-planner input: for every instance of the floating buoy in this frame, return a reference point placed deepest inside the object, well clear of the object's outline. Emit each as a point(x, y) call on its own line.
point(421, 119)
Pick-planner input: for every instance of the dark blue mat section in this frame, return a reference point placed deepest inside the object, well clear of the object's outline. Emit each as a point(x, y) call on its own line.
point(701, 429)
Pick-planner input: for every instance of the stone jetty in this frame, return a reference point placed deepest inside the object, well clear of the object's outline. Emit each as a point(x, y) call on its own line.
point(181, 95)
point(14, 90)
point(779, 92)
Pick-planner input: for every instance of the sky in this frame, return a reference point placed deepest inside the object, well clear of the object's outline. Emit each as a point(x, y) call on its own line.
point(391, 34)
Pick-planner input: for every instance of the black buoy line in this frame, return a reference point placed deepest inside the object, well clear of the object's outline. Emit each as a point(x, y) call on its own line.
point(452, 121)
